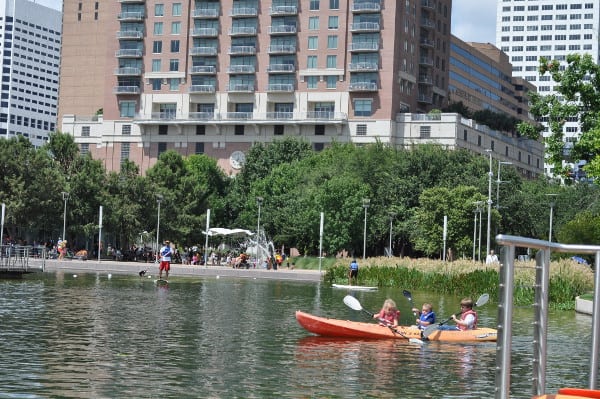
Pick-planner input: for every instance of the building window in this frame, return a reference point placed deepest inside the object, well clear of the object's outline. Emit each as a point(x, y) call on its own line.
point(124, 152)
point(158, 28)
point(313, 23)
point(314, 5)
point(155, 84)
point(174, 84)
point(174, 65)
point(334, 22)
point(176, 9)
point(318, 146)
point(332, 81)
point(127, 109)
point(155, 65)
point(361, 130)
point(278, 130)
point(363, 107)
point(313, 42)
point(332, 42)
point(319, 130)
point(159, 10)
point(425, 132)
point(331, 61)
point(493, 144)
point(311, 82)
point(176, 28)
point(479, 141)
point(85, 131)
point(84, 149)
point(334, 4)
point(465, 135)
point(174, 46)
point(157, 47)
point(200, 130)
point(126, 130)
point(239, 130)
point(162, 147)
point(199, 148)
point(311, 62)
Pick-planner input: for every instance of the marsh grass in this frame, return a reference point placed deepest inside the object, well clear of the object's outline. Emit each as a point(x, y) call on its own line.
point(465, 278)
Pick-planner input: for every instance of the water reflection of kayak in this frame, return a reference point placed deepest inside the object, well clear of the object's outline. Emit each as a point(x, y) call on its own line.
point(353, 329)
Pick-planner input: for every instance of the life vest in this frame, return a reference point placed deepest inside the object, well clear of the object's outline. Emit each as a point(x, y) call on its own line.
point(387, 318)
point(278, 259)
point(464, 316)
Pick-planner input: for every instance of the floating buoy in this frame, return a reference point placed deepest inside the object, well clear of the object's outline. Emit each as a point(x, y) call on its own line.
point(74, 276)
point(109, 276)
point(218, 276)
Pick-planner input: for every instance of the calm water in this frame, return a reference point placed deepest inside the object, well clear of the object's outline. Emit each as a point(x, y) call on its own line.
point(94, 337)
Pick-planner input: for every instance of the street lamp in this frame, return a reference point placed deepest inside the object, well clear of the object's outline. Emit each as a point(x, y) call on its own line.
point(365, 203)
point(489, 204)
point(159, 199)
point(65, 196)
point(259, 201)
point(552, 203)
point(475, 212)
point(391, 214)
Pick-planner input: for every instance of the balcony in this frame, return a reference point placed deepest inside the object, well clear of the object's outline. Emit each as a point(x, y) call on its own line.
point(282, 49)
point(428, 4)
point(241, 69)
point(365, 27)
point(325, 115)
point(426, 61)
point(280, 87)
point(164, 116)
point(427, 23)
point(203, 70)
point(425, 42)
point(204, 32)
point(203, 51)
point(282, 29)
point(363, 67)
point(128, 53)
point(366, 7)
point(243, 12)
point(425, 99)
point(425, 80)
point(239, 116)
point(364, 47)
point(362, 86)
point(242, 31)
point(202, 88)
point(130, 34)
point(280, 116)
point(128, 71)
point(208, 13)
point(242, 50)
point(240, 88)
point(126, 90)
point(281, 68)
point(283, 10)
point(202, 116)
point(131, 16)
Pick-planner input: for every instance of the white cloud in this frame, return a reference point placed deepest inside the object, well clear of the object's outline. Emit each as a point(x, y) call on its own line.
point(474, 20)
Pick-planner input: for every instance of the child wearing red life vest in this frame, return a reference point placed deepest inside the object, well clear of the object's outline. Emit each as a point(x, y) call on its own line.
point(389, 314)
point(468, 317)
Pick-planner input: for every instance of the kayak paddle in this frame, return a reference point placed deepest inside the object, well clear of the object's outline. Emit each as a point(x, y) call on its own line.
point(354, 304)
point(433, 327)
point(408, 296)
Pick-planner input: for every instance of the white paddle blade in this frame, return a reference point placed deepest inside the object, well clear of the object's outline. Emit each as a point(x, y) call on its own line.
point(415, 341)
point(483, 299)
point(352, 302)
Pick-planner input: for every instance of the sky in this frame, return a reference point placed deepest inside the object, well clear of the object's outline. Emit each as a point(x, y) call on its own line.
point(472, 20)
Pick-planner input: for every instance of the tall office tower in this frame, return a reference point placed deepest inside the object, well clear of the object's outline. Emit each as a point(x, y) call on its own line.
point(528, 30)
point(30, 49)
point(213, 77)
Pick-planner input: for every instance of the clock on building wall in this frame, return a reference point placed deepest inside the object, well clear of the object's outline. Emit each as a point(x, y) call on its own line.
point(237, 159)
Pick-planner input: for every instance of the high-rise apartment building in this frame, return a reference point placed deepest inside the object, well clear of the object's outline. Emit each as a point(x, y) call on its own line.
point(214, 77)
point(529, 30)
point(30, 46)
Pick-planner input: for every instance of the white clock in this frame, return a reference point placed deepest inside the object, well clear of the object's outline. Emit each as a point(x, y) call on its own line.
point(237, 159)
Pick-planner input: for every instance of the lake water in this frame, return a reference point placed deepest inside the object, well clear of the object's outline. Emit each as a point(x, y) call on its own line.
point(94, 337)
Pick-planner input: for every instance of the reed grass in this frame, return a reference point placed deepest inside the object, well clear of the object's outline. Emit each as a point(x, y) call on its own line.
point(568, 279)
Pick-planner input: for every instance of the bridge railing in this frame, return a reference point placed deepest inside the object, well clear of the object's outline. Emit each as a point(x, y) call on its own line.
point(540, 331)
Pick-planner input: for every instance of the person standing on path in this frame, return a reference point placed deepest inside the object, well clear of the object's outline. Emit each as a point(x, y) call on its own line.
point(165, 260)
point(353, 272)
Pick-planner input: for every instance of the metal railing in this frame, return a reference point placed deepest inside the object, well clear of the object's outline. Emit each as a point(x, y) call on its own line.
point(15, 258)
point(540, 332)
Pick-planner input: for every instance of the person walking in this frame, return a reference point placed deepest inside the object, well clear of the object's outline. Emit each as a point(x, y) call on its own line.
point(165, 260)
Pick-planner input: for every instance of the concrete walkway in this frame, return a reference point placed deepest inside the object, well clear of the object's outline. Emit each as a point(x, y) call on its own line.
point(177, 270)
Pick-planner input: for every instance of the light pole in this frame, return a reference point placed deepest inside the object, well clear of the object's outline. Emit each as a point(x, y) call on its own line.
point(392, 214)
point(475, 212)
point(552, 203)
point(365, 203)
point(259, 201)
point(489, 204)
point(65, 196)
point(159, 199)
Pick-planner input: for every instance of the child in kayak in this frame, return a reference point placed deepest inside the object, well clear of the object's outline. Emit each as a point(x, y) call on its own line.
point(426, 316)
point(468, 317)
point(389, 314)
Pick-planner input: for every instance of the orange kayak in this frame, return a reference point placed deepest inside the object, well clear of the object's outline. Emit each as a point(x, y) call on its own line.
point(572, 393)
point(354, 329)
